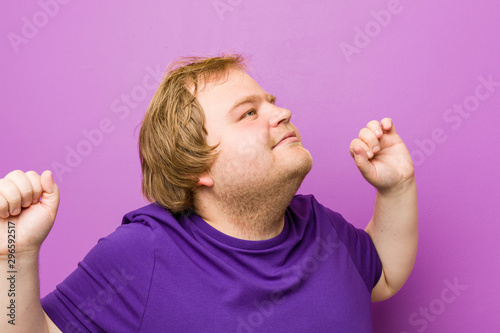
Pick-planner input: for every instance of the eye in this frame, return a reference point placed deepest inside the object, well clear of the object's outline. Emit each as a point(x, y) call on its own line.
point(249, 113)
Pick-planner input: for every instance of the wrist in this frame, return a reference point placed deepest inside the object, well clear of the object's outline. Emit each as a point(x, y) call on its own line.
point(20, 257)
point(400, 189)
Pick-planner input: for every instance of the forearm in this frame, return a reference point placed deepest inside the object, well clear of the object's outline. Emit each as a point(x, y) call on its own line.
point(20, 296)
point(394, 231)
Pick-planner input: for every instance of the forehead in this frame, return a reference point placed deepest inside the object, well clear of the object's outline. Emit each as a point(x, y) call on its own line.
point(221, 94)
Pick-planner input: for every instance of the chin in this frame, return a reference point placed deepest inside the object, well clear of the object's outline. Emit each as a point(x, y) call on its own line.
point(300, 164)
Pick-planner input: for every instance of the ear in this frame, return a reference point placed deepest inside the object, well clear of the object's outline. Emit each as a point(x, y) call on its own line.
point(205, 180)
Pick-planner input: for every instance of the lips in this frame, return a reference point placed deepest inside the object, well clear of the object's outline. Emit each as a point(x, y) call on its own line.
point(290, 134)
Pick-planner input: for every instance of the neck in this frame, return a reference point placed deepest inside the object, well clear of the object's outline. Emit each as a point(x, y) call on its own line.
point(247, 216)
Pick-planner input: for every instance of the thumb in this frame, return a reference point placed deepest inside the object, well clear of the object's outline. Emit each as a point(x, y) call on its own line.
point(362, 161)
point(50, 192)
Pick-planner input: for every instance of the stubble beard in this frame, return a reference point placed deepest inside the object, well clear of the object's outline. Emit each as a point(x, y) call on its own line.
point(255, 201)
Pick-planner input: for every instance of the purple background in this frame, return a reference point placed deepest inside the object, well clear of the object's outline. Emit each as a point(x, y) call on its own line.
point(72, 71)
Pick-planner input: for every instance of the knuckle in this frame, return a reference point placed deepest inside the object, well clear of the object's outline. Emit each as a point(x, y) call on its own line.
point(31, 173)
point(365, 134)
point(5, 184)
point(34, 179)
point(14, 174)
point(16, 178)
point(14, 202)
point(3, 204)
point(363, 131)
point(26, 193)
point(9, 190)
point(363, 145)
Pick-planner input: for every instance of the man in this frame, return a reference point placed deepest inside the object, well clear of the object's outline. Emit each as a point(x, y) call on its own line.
point(227, 246)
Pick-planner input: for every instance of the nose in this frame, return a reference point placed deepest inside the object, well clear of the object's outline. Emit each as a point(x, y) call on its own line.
point(280, 115)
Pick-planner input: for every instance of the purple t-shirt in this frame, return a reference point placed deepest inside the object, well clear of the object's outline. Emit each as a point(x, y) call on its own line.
point(164, 273)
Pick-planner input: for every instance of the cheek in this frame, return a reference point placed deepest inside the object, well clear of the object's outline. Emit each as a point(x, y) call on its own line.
point(236, 162)
point(252, 144)
point(244, 148)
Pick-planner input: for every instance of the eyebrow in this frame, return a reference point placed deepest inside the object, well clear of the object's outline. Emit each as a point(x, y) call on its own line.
point(252, 99)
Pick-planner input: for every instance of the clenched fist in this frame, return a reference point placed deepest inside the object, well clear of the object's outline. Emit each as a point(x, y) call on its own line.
point(29, 201)
point(381, 156)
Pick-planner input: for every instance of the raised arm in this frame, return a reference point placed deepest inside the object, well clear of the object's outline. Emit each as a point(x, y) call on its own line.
point(28, 207)
point(384, 161)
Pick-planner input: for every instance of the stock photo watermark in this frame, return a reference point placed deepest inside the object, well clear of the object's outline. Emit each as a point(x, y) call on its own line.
point(223, 6)
point(31, 26)
point(11, 272)
point(301, 272)
point(121, 107)
point(428, 314)
point(453, 117)
point(363, 36)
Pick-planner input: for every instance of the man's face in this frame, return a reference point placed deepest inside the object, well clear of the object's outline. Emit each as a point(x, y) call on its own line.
point(258, 145)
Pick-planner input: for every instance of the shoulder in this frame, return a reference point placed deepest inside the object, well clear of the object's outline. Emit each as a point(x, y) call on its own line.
point(356, 241)
point(109, 289)
point(303, 203)
point(150, 213)
point(130, 245)
point(306, 205)
point(308, 214)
